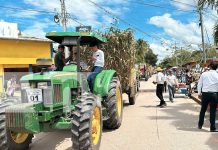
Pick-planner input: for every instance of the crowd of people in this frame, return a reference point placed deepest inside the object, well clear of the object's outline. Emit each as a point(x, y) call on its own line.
point(207, 89)
point(170, 79)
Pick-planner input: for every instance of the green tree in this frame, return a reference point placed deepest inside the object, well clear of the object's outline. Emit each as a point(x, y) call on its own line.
point(150, 57)
point(167, 62)
point(141, 48)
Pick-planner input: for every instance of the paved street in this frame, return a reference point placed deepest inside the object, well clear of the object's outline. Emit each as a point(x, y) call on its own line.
point(146, 127)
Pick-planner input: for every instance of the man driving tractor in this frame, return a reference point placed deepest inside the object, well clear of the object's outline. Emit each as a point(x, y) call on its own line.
point(98, 61)
point(60, 60)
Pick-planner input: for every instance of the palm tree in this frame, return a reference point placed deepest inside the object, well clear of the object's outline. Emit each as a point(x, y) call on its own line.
point(214, 5)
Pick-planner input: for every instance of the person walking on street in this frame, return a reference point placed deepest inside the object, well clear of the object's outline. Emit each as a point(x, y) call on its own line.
point(207, 91)
point(160, 87)
point(11, 85)
point(165, 81)
point(189, 79)
point(172, 83)
point(98, 61)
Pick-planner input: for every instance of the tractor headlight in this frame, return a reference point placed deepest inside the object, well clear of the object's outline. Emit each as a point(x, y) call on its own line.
point(43, 85)
point(25, 85)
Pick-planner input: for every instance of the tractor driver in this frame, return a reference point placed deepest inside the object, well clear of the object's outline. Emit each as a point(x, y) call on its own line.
point(98, 61)
point(60, 60)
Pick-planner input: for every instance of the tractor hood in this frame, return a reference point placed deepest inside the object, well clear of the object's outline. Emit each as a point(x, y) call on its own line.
point(54, 75)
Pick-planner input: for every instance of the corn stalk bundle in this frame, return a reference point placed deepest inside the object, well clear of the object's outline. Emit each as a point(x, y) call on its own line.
point(119, 53)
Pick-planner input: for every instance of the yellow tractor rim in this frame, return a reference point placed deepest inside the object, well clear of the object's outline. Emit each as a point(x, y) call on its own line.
point(96, 125)
point(19, 137)
point(119, 101)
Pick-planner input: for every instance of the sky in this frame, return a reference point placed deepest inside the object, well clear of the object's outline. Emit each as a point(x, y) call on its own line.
point(161, 23)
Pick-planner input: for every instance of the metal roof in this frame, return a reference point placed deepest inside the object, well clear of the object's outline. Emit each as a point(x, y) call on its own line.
point(26, 39)
point(86, 37)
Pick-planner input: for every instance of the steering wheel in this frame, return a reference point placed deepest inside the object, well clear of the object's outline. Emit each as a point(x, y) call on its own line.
point(74, 63)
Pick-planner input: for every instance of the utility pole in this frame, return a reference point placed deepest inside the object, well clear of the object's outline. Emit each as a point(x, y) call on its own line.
point(63, 15)
point(202, 34)
point(176, 54)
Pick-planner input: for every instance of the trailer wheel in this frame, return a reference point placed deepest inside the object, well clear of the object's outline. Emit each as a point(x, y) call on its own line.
point(87, 124)
point(114, 105)
point(12, 140)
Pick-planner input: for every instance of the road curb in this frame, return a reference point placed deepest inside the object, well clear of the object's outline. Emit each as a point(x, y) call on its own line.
point(195, 99)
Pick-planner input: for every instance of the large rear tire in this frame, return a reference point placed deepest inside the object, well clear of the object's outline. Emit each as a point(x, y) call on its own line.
point(114, 105)
point(87, 124)
point(11, 140)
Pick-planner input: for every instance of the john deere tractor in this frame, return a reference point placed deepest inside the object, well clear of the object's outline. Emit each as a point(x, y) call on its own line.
point(62, 100)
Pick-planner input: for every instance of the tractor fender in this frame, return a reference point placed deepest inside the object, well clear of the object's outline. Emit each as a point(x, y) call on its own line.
point(102, 82)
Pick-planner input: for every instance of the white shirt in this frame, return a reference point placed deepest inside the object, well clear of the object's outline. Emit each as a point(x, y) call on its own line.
point(99, 56)
point(171, 80)
point(160, 78)
point(208, 82)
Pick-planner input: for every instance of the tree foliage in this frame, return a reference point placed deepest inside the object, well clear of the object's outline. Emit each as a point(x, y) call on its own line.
point(214, 5)
point(141, 49)
point(144, 53)
point(151, 58)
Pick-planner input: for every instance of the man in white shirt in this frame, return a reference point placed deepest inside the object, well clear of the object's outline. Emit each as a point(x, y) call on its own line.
point(160, 87)
point(207, 91)
point(171, 82)
point(98, 61)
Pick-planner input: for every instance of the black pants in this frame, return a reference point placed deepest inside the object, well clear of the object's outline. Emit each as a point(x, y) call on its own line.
point(159, 93)
point(208, 98)
point(171, 90)
point(165, 86)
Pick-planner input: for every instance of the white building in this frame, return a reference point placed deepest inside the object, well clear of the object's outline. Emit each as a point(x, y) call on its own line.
point(9, 30)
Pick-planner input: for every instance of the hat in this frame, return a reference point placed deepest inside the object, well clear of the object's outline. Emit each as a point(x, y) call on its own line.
point(159, 69)
point(93, 43)
point(61, 46)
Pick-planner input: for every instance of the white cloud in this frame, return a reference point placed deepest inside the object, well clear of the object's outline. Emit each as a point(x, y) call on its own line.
point(186, 32)
point(24, 14)
point(160, 50)
point(37, 30)
point(184, 4)
point(83, 11)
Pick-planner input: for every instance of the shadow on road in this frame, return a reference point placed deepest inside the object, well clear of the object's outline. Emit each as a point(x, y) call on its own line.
point(52, 140)
point(185, 118)
point(182, 116)
point(146, 90)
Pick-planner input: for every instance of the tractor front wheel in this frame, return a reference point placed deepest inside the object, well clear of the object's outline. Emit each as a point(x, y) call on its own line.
point(114, 105)
point(12, 140)
point(19, 141)
point(87, 124)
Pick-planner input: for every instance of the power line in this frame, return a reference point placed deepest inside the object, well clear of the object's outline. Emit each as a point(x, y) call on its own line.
point(124, 21)
point(39, 11)
point(159, 6)
point(183, 3)
point(25, 9)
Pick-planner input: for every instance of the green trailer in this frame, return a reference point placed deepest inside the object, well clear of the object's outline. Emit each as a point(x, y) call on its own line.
point(61, 100)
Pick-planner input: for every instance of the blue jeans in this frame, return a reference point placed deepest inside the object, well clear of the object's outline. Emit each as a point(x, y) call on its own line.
point(171, 90)
point(91, 78)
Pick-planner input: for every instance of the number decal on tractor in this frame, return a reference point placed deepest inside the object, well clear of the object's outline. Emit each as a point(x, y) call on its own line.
point(34, 95)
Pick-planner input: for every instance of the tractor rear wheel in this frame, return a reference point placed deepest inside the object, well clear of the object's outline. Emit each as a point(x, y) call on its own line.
point(12, 140)
point(87, 124)
point(3, 137)
point(114, 105)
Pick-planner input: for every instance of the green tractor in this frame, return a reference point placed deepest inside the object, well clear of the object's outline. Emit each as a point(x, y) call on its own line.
point(61, 100)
